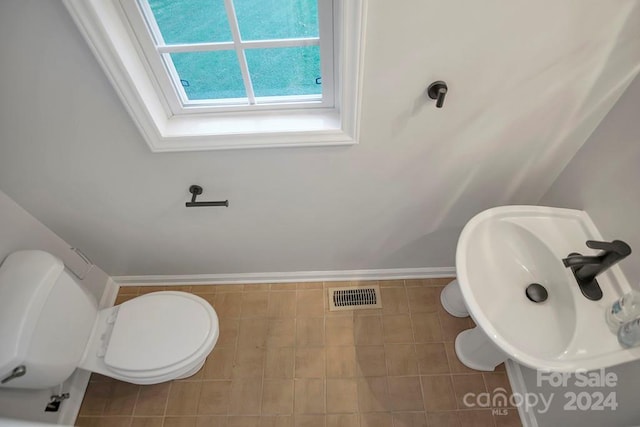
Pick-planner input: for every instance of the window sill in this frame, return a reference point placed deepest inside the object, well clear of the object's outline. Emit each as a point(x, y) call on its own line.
point(105, 29)
point(248, 130)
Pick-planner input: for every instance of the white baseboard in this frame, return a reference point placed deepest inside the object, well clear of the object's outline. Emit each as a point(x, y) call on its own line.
point(287, 277)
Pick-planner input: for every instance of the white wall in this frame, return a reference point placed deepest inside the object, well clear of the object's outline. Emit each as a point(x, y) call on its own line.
point(19, 230)
point(528, 83)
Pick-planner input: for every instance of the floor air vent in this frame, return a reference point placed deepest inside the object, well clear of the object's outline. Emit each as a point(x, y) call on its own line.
point(354, 298)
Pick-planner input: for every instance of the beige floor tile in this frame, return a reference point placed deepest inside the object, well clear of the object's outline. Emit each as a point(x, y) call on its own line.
point(342, 395)
point(96, 397)
point(454, 363)
point(228, 332)
point(283, 360)
point(341, 362)
point(508, 419)
point(426, 327)
point(303, 420)
point(423, 299)
point(452, 326)
point(309, 285)
point(243, 421)
point(310, 362)
point(281, 333)
point(246, 396)
point(370, 360)
point(394, 300)
point(254, 304)
point(284, 286)
point(252, 333)
point(443, 419)
point(190, 421)
point(147, 421)
point(211, 421)
point(401, 359)
point(282, 304)
point(437, 391)
point(310, 331)
point(397, 328)
point(377, 419)
point(339, 330)
point(183, 398)
point(409, 419)
point(463, 384)
point(309, 396)
point(152, 399)
point(405, 393)
point(279, 362)
point(432, 358)
point(410, 283)
point(343, 420)
point(122, 399)
point(495, 381)
point(249, 363)
point(277, 397)
point(276, 421)
point(219, 364)
point(368, 330)
point(128, 290)
point(390, 283)
point(310, 303)
point(214, 398)
point(123, 298)
point(227, 304)
point(373, 395)
point(476, 418)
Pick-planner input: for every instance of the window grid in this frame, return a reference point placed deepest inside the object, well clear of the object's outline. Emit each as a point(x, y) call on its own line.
point(164, 50)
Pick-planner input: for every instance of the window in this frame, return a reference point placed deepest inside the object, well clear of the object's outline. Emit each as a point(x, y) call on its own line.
point(220, 74)
point(212, 55)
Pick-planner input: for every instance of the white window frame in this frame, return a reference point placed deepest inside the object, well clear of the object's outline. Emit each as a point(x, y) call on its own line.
point(112, 39)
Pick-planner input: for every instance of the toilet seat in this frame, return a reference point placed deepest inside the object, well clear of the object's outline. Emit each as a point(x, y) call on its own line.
point(153, 338)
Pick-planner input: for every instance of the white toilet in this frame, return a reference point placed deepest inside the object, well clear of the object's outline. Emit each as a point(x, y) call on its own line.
point(49, 326)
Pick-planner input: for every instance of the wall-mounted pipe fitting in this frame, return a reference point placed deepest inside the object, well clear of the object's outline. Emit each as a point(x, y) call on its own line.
point(438, 90)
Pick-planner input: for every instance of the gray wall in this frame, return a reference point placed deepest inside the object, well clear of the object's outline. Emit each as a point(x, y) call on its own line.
point(603, 179)
point(529, 81)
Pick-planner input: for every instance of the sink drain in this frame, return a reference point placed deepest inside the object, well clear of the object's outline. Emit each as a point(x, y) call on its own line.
point(536, 292)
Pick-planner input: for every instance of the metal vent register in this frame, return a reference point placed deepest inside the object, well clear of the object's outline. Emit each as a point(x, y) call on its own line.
point(354, 298)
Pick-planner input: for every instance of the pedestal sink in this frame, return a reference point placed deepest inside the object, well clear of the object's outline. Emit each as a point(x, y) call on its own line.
point(500, 253)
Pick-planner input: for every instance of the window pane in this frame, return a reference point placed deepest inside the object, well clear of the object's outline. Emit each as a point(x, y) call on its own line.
point(191, 21)
point(285, 71)
point(210, 75)
point(277, 19)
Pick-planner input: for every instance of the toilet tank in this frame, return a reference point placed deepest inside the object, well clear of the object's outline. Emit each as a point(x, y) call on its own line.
point(46, 319)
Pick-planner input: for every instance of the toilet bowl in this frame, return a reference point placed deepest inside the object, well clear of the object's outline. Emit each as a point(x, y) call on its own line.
point(50, 325)
point(153, 338)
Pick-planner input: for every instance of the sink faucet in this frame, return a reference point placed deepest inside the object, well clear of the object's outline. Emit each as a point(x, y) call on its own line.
point(586, 268)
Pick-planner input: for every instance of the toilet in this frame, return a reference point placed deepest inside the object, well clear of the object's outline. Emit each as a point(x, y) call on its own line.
point(50, 325)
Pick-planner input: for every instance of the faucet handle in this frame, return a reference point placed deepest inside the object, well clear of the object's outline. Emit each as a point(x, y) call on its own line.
point(617, 246)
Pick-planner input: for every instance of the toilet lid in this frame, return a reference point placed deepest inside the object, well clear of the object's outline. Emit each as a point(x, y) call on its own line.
point(158, 330)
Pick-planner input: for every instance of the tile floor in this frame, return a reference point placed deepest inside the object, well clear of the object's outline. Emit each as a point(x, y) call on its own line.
point(284, 360)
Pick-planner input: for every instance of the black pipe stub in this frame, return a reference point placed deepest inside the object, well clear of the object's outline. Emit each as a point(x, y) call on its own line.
point(195, 189)
point(536, 292)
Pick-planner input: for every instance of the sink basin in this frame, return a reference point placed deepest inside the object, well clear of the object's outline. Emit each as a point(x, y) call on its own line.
point(501, 252)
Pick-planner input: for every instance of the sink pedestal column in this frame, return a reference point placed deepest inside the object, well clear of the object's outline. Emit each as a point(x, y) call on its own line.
point(477, 351)
point(453, 301)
